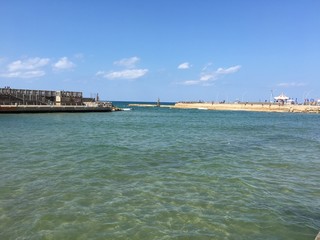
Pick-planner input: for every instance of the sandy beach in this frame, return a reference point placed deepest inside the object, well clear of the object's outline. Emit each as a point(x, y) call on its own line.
point(259, 107)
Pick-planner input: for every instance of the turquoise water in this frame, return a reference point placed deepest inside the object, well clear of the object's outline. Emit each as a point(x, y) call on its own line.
point(155, 173)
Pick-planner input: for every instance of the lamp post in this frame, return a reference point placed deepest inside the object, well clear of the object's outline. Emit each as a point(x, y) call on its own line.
point(305, 96)
point(243, 96)
point(271, 96)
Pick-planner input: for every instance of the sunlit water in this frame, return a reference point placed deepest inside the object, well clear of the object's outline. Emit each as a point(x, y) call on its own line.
point(154, 173)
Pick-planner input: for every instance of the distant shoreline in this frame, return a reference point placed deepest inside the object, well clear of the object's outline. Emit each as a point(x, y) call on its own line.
point(257, 107)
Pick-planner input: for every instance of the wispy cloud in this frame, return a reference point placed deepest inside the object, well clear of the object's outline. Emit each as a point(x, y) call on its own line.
point(126, 74)
point(207, 77)
point(223, 71)
point(127, 62)
point(184, 65)
point(2, 60)
point(24, 74)
point(291, 84)
point(63, 64)
point(206, 66)
point(129, 72)
point(26, 68)
point(79, 56)
point(191, 82)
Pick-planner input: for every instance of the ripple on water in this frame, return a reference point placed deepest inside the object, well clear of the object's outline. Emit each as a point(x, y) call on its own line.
point(159, 174)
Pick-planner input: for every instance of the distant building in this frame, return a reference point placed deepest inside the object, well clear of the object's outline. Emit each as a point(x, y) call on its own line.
point(9, 96)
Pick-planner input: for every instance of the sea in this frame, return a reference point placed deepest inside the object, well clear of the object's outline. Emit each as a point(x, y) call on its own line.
point(160, 173)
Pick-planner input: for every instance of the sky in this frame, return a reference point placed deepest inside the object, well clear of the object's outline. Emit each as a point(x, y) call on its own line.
point(175, 50)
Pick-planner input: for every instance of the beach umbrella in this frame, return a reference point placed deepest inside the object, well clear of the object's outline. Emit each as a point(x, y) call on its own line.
point(281, 97)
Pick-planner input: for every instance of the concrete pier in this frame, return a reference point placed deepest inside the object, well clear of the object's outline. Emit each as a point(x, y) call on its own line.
point(52, 109)
point(43, 101)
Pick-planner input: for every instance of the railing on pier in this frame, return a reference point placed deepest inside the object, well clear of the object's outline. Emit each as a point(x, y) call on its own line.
point(38, 97)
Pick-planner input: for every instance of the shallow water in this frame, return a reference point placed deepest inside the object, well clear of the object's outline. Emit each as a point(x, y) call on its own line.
point(155, 173)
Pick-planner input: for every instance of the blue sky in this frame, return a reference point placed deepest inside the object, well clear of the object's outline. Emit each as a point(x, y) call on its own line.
point(177, 50)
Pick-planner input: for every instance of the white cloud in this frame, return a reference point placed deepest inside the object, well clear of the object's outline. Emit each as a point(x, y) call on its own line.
point(207, 77)
point(26, 68)
point(291, 84)
point(100, 73)
point(129, 72)
point(124, 74)
point(127, 62)
point(184, 65)
point(28, 64)
point(63, 64)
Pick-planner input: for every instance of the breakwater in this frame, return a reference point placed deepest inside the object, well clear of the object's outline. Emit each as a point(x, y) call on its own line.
point(149, 105)
point(258, 107)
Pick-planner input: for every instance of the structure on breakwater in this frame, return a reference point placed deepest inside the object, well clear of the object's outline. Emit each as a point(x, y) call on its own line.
point(38, 101)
